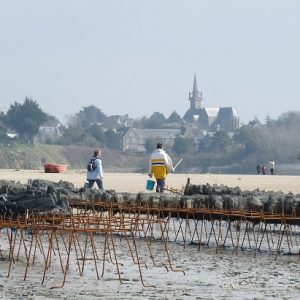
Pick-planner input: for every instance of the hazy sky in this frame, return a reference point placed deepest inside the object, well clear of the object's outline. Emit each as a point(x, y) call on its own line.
point(138, 57)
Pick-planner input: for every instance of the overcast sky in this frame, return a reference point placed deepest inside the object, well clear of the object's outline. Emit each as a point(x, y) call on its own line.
point(138, 57)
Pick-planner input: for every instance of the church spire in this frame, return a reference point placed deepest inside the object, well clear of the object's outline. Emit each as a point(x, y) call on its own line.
point(195, 88)
point(195, 96)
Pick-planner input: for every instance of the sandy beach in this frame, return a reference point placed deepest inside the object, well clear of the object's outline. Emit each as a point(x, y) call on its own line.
point(136, 182)
point(208, 275)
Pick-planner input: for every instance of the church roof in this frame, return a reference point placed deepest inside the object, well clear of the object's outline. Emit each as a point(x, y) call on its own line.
point(229, 111)
point(212, 112)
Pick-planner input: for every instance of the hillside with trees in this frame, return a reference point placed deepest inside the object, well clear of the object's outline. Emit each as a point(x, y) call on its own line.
point(221, 151)
point(33, 157)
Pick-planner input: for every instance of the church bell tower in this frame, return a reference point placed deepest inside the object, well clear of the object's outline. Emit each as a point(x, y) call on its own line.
point(195, 97)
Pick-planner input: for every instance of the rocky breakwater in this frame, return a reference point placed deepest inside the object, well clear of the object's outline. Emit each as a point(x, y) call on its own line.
point(57, 197)
point(210, 200)
point(37, 196)
point(225, 198)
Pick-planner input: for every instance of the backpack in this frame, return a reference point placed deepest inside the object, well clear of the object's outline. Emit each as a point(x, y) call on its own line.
point(92, 165)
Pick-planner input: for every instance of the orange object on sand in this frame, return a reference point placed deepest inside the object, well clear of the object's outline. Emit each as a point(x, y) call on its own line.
point(55, 168)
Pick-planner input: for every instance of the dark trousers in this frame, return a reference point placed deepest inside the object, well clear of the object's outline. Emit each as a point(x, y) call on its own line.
point(160, 185)
point(98, 181)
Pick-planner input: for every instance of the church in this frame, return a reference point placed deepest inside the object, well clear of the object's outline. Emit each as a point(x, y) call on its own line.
point(210, 119)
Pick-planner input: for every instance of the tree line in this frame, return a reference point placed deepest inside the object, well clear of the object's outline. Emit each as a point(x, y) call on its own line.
point(84, 128)
point(276, 139)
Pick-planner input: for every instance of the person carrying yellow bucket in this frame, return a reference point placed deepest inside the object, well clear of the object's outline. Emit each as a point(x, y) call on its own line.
point(160, 165)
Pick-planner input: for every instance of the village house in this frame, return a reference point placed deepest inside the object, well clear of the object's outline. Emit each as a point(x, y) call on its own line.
point(198, 122)
point(133, 139)
point(47, 133)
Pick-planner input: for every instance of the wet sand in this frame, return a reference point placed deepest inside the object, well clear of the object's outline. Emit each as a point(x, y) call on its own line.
point(208, 275)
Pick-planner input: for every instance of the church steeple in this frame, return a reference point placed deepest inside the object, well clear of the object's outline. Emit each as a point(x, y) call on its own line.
point(195, 96)
point(195, 88)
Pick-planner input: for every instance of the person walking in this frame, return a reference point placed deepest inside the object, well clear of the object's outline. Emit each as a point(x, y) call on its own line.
point(263, 169)
point(95, 171)
point(160, 165)
point(258, 169)
point(272, 166)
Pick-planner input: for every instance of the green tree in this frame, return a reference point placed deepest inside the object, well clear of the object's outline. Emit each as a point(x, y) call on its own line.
point(220, 141)
point(139, 122)
point(97, 132)
point(3, 132)
point(183, 145)
point(3, 129)
point(254, 123)
point(269, 121)
point(51, 121)
point(283, 136)
point(174, 118)
point(289, 120)
point(248, 136)
point(150, 145)
point(111, 139)
point(87, 116)
point(73, 136)
point(26, 119)
point(155, 121)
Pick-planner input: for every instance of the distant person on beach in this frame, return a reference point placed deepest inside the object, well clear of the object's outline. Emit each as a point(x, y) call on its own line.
point(263, 169)
point(258, 169)
point(160, 165)
point(95, 171)
point(272, 166)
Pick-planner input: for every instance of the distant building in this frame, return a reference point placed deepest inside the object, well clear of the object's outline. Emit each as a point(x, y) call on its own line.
point(47, 133)
point(12, 135)
point(198, 122)
point(210, 119)
point(133, 139)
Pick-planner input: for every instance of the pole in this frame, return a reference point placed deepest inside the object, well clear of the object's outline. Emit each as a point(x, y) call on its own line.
point(177, 164)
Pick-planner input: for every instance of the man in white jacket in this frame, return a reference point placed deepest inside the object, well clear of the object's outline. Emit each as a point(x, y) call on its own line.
point(272, 166)
point(160, 165)
point(96, 173)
